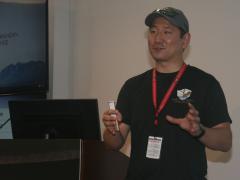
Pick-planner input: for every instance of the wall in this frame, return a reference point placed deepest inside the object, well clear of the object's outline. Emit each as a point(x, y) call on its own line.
point(108, 45)
point(60, 58)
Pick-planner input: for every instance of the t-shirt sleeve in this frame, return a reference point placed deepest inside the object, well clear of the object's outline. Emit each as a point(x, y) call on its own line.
point(216, 110)
point(123, 103)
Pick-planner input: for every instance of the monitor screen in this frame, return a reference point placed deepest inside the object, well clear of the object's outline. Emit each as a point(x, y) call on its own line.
point(23, 46)
point(49, 119)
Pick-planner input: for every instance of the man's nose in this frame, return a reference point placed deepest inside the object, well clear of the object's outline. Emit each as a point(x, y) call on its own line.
point(159, 37)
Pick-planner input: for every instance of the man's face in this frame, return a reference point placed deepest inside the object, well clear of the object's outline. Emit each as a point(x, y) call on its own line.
point(165, 42)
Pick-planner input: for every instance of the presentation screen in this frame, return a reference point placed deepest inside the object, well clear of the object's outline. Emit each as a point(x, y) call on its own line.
point(23, 46)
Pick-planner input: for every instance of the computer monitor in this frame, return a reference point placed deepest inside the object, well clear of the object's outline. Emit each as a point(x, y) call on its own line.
point(49, 119)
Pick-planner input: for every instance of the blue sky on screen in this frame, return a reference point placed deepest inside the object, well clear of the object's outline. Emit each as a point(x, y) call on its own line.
point(22, 33)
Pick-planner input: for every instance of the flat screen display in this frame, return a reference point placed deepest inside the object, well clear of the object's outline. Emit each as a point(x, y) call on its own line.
point(49, 119)
point(23, 46)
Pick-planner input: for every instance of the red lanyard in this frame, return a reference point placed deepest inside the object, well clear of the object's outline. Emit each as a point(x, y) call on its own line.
point(168, 93)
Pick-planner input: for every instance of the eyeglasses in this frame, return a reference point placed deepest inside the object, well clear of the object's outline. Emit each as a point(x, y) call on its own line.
point(167, 12)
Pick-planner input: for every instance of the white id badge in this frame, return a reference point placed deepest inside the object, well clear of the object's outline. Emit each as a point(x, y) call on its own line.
point(154, 147)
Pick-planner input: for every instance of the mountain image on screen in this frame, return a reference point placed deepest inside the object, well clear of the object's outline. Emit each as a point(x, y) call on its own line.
point(32, 73)
point(23, 47)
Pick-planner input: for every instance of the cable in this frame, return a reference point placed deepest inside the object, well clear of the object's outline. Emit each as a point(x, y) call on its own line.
point(3, 124)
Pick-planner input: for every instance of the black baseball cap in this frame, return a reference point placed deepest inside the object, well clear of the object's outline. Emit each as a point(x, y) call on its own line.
point(173, 15)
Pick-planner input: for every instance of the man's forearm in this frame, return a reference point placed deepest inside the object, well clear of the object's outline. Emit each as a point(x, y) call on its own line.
point(217, 138)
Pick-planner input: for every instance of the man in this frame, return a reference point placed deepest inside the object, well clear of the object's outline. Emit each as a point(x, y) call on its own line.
point(173, 111)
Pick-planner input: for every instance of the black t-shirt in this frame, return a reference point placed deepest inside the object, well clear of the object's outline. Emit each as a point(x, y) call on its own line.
point(182, 157)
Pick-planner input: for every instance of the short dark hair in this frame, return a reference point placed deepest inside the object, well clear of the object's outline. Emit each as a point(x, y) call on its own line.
point(182, 32)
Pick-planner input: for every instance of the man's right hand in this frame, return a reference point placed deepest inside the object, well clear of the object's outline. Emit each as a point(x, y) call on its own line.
point(110, 118)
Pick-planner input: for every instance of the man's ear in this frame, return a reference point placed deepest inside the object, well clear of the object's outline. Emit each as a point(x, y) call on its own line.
point(186, 40)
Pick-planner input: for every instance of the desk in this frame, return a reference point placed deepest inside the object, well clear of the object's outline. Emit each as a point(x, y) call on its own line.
point(60, 159)
point(39, 159)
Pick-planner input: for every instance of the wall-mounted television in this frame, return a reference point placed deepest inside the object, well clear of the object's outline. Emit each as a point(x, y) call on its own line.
point(23, 46)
